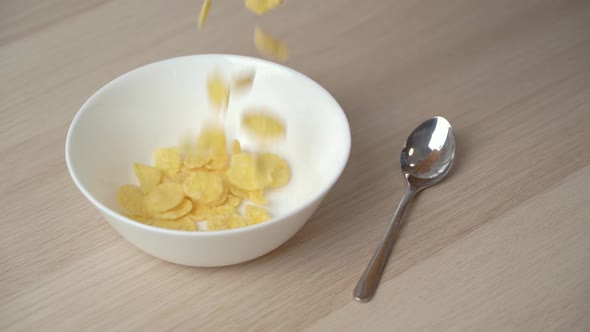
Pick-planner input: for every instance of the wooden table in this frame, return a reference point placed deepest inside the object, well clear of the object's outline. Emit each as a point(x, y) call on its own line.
point(502, 244)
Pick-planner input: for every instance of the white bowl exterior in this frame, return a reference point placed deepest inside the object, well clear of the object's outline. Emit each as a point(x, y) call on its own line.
point(124, 122)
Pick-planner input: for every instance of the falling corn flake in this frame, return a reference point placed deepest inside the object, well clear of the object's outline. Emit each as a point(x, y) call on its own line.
point(243, 81)
point(212, 143)
point(242, 172)
point(269, 46)
point(218, 91)
point(263, 124)
point(204, 13)
point(262, 6)
point(274, 170)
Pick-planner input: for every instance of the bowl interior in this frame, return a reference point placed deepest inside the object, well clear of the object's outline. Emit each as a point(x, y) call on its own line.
point(155, 105)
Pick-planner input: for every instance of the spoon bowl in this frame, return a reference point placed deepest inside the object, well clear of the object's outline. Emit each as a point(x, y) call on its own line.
point(426, 158)
point(429, 153)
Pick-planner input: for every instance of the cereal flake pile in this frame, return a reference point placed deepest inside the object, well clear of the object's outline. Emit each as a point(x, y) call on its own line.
point(206, 180)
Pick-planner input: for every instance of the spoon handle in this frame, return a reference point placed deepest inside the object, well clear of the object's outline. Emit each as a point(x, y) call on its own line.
point(367, 285)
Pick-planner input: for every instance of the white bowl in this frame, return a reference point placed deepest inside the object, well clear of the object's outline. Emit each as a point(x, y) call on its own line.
point(152, 106)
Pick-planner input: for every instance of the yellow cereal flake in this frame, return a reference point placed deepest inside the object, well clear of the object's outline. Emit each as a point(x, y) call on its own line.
point(222, 210)
point(199, 212)
point(229, 206)
point(130, 197)
point(218, 91)
point(183, 224)
point(270, 47)
point(177, 212)
point(203, 187)
point(222, 198)
point(168, 160)
point(204, 12)
point(242, 172)
point(263, 124)
point(235, 221)
point(243, 81)
point(217, 220)
point(274, 170)
point(148, 176)
point(256, 215)
point(224, 217)
point(257, 197)
point(197, 160)
point(236, 147)
point(262, 6)
point(178, 178)
point(195, 183)
point(240, 193)
point(212, 143)
point(164, 197)
point(233, 201)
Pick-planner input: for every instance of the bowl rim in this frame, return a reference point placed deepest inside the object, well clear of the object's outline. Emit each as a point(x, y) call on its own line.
point(116, 215)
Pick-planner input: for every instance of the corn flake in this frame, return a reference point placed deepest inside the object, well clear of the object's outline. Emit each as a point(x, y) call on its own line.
point(130, 197)
point(222, 199)
point(204, 187)
point(199, 212)
point(274, 170)
point(233, 201)
point(197, 160)
point(204, 12)
point(224, 217)
point(178, 178)
point(263, 124)
point(242, 172)
point(240, 193)
point(164, 197)
point(256, 215)
point(148, 176)
point(177, 212)
point(168, 160)
point(235, 221)
point(243, 81)
point(218, 91)
point(262, 6)
point(270, 47)
point(212, 143)
point(257, 197)
point(218, 220)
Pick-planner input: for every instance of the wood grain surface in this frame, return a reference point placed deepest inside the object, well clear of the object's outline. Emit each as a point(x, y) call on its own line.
point(502, 244)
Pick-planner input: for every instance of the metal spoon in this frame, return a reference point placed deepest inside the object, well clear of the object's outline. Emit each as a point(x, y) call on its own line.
point(426, 158)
